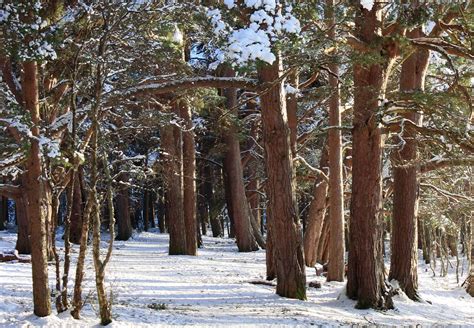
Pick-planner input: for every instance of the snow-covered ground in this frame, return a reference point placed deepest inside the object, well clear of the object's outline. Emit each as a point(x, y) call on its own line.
point(151, 288)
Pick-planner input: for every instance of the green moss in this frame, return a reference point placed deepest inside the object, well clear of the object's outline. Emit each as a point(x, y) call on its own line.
point(301, 293)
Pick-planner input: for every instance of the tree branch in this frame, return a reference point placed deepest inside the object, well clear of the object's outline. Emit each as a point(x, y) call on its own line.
point(442, 163)
point(192, 83)
point(437, 44)
point(357, 44)
point(10, 191)
point(11, 81)
point(12, 161)
point(446, 194)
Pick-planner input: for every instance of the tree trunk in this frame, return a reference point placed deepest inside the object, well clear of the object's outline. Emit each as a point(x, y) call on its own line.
point(161, 211)
point(23, 244)
point(470, 279)
point(240, 209)
point(172, 169)
point(323, 238)
point(67, 242)
point(189, 181)
point(146, 209)
point(404, 250)
point(270, 254)
point(209, 180)
point(252, 191)
point(105, 305)
point(228, 201)
point(77, 298)
point(285, 229)
point(426, 241)
point(336, 247)
point(35, 192)
point(151, 206)
point(316, 214)
point(124, 223)
point(203, 209)
point(292, 110)
point(366, 277)
point(77, 210)
point(46, 204)
point(57, 262)
point(3, 212)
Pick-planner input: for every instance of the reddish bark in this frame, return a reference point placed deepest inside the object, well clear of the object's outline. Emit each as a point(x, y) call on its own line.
point(366, 276)
point(235, 192)
point(172, 170)
point(23, 245)
point(285, 230)
point(292, 110)
point(124, 223)
point(316, 214)
point(189, 181)
point(77, 210)
point(404, 254)
point(336, 192)
point(36, 194)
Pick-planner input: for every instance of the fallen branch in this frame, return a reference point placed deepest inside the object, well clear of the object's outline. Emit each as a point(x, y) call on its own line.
point(13, 256)
point(262, 282)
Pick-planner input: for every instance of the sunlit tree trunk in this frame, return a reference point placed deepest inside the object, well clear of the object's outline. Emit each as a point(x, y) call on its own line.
point(366, 276)
point(36, 193)
point(292, 110)
point(240, 209)
point(404, 237)
point(172, 170)
point(336, 247)
point(189, 181)
point(285, 229)
point(77, 302)
point(316, 214)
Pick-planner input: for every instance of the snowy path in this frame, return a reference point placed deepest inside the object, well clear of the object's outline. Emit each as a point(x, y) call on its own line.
point(213, 290)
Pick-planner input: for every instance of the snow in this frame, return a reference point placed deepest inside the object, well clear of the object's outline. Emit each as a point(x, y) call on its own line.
point(3, 15)
point(151, 288)
point(249, 45)
point(367, 4)
point(51, 147)
point(291, 90)
point(255, 41)
point(229, 4)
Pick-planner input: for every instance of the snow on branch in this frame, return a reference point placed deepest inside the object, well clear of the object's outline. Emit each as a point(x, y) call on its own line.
point(192, 83)
point(11, 161)
point(265, 23)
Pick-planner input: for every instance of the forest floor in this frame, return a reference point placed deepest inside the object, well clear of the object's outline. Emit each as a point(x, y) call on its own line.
point(151, 288)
